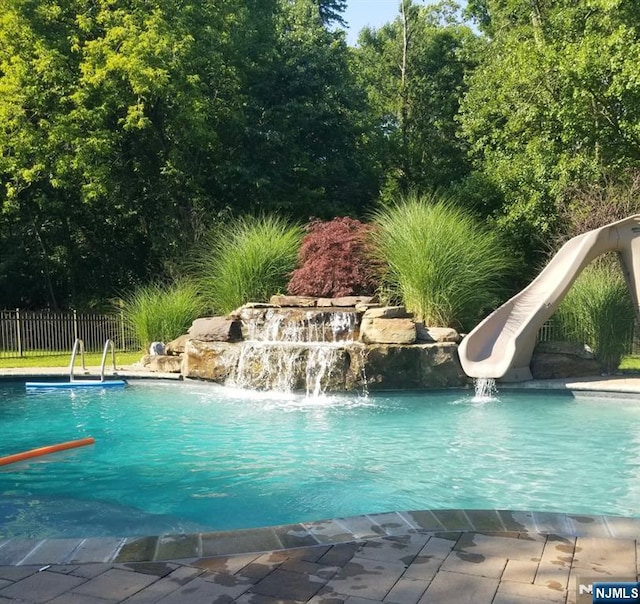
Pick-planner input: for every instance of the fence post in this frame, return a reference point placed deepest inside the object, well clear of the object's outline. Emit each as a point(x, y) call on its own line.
point(75, 325)
point(18, 336)
point(123, 343)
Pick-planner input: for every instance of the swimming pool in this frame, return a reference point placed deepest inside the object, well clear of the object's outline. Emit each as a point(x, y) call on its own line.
point(191, 457)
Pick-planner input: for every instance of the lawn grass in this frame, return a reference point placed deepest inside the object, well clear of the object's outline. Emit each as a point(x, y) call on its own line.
point(93, 359)
point(630, 363)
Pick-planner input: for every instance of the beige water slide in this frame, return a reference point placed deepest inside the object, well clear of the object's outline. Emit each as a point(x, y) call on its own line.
point(501, 345)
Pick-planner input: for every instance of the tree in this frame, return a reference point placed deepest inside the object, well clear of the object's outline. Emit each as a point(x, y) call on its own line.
point(127, 128)
point(414, 71)
point(303, 147)
point(554, 105)
point(331, 11)
point(113, 113)
point(335, 260)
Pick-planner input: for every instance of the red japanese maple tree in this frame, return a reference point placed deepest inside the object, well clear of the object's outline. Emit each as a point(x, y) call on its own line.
point(334, 261)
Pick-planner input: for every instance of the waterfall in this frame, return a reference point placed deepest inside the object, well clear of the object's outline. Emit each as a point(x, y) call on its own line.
point(297, 350)
point(486, 390)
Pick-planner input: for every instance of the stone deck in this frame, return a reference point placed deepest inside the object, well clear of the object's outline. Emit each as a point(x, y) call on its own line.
point(420, 557)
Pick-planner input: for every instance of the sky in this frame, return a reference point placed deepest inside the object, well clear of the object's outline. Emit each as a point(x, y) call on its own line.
point(369, 13)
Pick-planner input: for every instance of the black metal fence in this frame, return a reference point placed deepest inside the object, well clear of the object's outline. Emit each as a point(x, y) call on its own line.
point(42, 333)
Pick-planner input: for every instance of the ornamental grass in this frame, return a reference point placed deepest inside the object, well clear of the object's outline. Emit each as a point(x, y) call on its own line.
point(598, 311)
point(440, 262)
point(158, 312)
point(247, 259)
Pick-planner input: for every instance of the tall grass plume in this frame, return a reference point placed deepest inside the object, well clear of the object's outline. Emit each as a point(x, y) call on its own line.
point(439, 261)
point(247, 259)
point(598, 311)
point(160, 313)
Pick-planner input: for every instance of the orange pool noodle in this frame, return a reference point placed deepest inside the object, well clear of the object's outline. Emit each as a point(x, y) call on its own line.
point(46, 450)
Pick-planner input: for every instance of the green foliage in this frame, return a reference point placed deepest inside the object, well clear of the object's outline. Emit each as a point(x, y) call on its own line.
point(334, 261)
point(414, 71)
point(159, 312)
point(248, 259)
point(127, 128)
point(110, 121)
point(597, 311)
point(597, 204)
point(440, 262)
point(553, 106)
point(331, 11)
point(303, 148)
point(630, 364)
point(92, 359)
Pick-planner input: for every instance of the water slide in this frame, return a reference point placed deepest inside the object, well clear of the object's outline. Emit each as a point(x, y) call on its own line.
point(502, 344)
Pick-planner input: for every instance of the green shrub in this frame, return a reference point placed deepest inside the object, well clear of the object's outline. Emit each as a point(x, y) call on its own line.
point(247, 260)
point(439, 261)
point(598, 311)
point(159, 312)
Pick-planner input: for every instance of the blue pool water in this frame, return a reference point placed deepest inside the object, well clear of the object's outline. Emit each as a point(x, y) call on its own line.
point(189, 456)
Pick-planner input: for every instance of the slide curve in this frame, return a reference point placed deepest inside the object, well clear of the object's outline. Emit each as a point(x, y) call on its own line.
point(502, 344)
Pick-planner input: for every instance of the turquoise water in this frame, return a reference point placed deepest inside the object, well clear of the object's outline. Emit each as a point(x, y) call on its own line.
point(187, 457)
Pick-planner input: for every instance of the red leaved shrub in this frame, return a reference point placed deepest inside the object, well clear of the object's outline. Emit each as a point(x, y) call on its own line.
point(333, 260)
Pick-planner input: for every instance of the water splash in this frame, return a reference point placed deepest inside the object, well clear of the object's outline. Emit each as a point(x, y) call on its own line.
point(485, 390)
point(302, 326)
point(301, 351)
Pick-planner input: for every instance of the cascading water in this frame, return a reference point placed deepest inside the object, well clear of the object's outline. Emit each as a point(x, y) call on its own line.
point(300, 350)
point(485, 390)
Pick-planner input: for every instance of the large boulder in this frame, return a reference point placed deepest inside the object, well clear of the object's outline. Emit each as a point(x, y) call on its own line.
point(215, 361)
point(436, 334)
point(176, 347)
point(387, 312)
point(216, 329)
point(553, 360)
point(345, 301)
point(399, 367)
point(440, 366)
point(387, 331)
point(161, 363)
point(303, 301)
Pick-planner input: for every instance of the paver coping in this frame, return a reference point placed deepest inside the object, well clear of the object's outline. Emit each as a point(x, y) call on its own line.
point(19, 552)
point(415, 557)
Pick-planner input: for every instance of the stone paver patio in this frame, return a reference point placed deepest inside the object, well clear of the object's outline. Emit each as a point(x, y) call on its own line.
point(422, 557)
